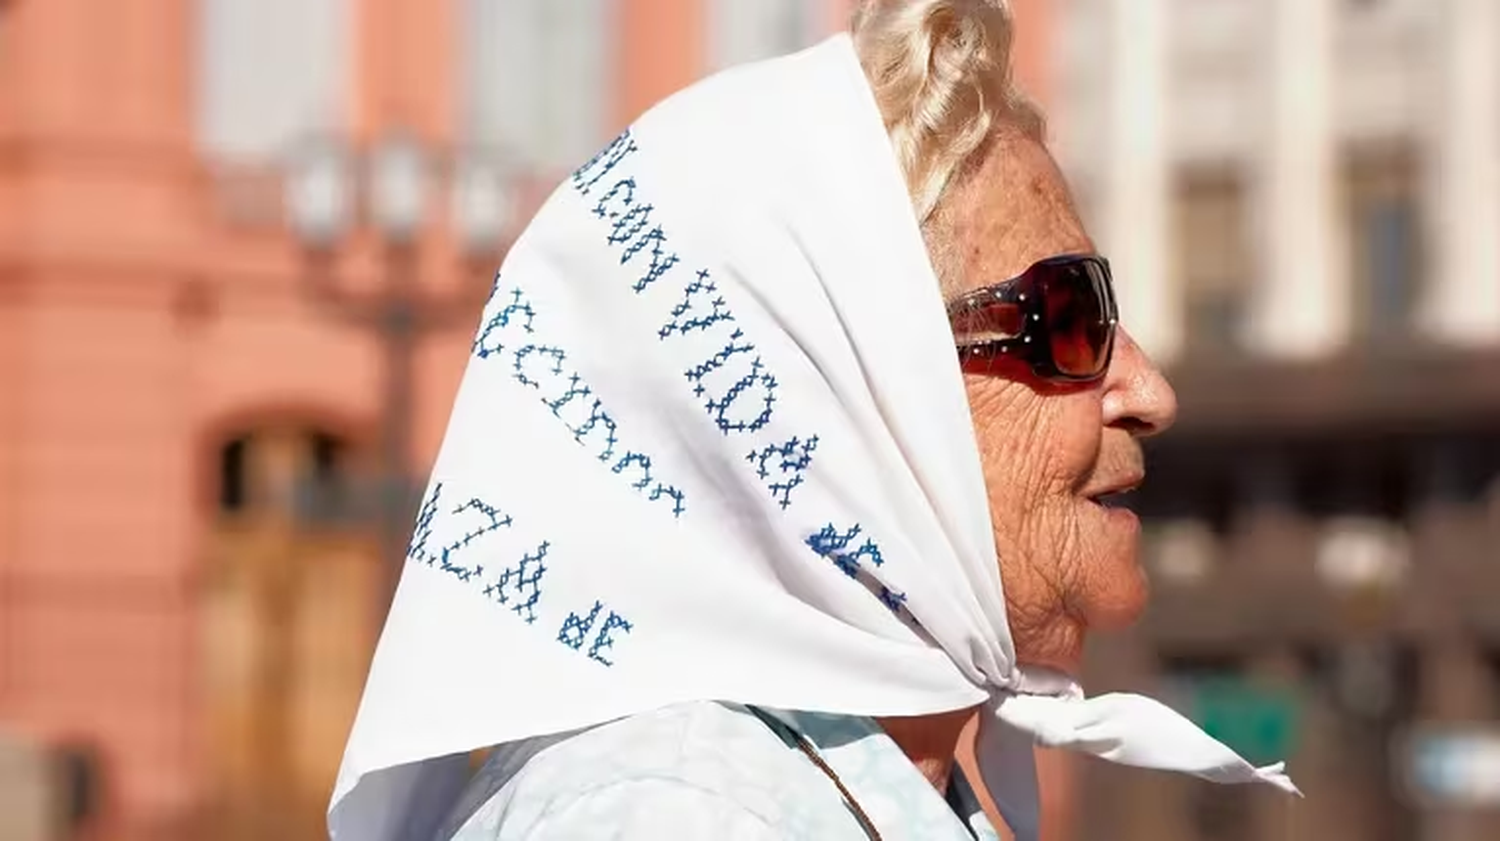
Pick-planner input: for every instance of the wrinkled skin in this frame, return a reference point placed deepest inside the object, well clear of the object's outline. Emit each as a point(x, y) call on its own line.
point(1067, 563)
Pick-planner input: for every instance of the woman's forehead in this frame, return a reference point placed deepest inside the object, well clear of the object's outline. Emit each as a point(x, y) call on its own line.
point(1013, 210)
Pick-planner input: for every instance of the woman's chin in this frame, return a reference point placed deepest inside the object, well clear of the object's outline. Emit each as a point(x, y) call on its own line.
point(1115, 593)
point(1063, 658)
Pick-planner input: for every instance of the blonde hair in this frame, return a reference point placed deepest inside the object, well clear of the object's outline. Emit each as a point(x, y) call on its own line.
point(940, 71)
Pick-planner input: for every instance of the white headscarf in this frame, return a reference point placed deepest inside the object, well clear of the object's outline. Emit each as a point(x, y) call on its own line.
point(713, 444)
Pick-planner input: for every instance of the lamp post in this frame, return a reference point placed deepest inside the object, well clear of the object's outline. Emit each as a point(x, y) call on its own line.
point(334, 188)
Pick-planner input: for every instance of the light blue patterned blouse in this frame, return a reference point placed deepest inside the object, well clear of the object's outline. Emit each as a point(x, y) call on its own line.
point(710, 771)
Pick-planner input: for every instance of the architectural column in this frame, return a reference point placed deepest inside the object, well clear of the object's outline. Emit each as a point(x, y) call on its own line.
point(1301, 301)
point(1462, 302)
point(1136, 222)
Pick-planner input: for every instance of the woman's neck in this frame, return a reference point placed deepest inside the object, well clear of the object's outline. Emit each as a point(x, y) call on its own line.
point(930, 742)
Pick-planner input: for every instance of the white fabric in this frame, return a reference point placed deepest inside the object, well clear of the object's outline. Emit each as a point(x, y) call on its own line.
point(709, 770)
point(715, 376)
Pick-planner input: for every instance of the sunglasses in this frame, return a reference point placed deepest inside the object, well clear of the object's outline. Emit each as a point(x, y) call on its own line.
point(1058, 317)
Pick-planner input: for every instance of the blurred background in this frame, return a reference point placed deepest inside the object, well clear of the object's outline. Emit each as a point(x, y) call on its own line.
point(243, 244)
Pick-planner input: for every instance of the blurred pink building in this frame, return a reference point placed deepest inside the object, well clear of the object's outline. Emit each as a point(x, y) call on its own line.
point(169, 388)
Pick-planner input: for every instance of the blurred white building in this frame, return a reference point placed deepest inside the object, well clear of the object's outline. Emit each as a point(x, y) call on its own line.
point(1301, 200)
point(1288, 177)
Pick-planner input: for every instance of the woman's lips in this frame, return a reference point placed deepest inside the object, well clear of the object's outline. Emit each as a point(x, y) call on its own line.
point(1116, 510)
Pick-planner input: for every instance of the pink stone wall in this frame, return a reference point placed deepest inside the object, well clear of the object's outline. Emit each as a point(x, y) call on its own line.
point(140, 324)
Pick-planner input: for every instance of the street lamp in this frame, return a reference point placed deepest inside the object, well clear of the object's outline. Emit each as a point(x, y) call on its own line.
point(333, 188)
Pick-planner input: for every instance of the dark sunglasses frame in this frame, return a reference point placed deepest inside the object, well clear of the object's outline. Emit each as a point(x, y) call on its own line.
point(1032, 345)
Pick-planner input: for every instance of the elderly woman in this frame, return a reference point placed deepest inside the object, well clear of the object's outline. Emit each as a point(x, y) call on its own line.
point(768, 403)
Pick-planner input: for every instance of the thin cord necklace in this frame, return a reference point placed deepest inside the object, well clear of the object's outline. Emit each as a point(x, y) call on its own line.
point(798, 741)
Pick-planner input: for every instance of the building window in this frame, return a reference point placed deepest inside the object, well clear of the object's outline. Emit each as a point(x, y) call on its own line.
point(234, 490)
point(1389, 234)
point(269, 73)
point(740, 32)
point(301, 473)
point(1213, 258)
point(536, 78)
point(1385, 231)
point(328, 456)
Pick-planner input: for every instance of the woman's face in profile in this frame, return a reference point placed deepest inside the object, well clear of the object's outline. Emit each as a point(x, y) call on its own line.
point(1052, 453)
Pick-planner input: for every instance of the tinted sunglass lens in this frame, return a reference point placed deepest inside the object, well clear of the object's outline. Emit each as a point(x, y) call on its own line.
point(1077, 318)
